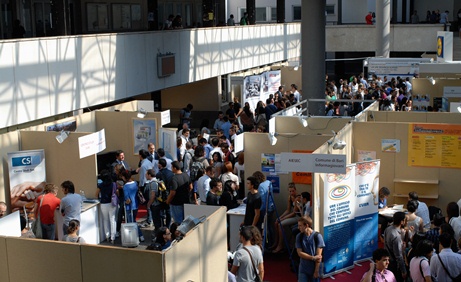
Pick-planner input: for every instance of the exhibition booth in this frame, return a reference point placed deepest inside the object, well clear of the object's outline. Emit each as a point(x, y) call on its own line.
point(186, 260)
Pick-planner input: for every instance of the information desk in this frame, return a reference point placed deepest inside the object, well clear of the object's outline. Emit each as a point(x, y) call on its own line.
point(89, 223)
point(389, 212)
point(236, 217)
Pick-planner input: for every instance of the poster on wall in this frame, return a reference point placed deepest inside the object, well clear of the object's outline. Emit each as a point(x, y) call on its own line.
point(252, 90)
point(27, 173)
point(363, 155)
point(144, 132)
point(434, 145)
point(270, 83)
point(168, 142)
point(275, 181)
point(366, 209)
point(268, 162)
point(339, 209)
point(390, 145)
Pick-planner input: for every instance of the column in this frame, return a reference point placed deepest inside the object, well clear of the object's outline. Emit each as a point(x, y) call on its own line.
point(280, 11)
point(313, 54)
point(251, 9)
point(383, 28)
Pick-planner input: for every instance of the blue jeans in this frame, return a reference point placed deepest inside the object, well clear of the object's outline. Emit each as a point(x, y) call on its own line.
point(48, 231)
point(177, 213)
point(304, 277)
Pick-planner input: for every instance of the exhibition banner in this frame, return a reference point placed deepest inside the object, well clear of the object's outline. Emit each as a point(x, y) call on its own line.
point(434, 145)
point(270, 83)
point(92, 143)
point(27, 173)
point(339, 212)
point(366, 209)
point(258, 87)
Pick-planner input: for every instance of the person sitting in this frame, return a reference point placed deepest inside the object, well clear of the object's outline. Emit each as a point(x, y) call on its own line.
point(72, 236)
point(378, 268)
point(422, 211)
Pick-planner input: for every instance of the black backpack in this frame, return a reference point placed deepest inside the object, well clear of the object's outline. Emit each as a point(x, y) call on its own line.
point(195, 168)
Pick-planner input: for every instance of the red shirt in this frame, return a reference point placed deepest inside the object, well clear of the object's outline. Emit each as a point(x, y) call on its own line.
point(49, 205)
point(369, 19)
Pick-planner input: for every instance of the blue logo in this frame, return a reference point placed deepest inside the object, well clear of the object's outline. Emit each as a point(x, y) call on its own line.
point(26, 161)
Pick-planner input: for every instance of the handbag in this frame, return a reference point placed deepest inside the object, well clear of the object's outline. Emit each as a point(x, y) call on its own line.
point(257, 278)
point(455, 279)
point(141, 199)
point(37, 225)
point(114, 198)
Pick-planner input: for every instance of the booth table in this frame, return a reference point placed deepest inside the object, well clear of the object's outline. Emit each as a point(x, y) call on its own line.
point(89, 223)
point(236, 217)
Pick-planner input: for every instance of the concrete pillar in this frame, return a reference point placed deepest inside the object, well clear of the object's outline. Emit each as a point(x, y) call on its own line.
point(280, 11)
point(251, 10)
point(313, 54)
point(383, 28)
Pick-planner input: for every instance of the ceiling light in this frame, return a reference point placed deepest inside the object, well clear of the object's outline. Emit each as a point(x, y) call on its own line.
point(303, 121)
point(62, 136)
point(272, 138)
point(142, 113)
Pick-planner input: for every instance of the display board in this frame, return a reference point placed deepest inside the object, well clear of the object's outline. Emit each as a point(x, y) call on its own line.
point(258, 87)
point(434, 145)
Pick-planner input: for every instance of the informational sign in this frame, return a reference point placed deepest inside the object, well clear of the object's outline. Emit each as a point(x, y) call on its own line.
point(144, 132)
point(92, 143)
point(452, 92)
point(325, 163)
point(434, 145)
point(268, 162)
point(302, 177)
point(166, 117)
point(275, 181)
point(258, 87)
point(168, 142)
point(390, 145)
point(365, 155)
point(444, 46)
point(27, 173)
point(339, 212)
point(393, 67)
point(366, 209)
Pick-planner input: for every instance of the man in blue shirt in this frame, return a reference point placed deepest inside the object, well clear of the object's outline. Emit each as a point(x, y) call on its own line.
point(264, 187)
point(309, 245)
point(71, 204)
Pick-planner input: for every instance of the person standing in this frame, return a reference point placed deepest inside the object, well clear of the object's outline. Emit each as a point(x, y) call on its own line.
point(104, 192)
point(130, 190)
point(369, 18)
point(378, 268)
point(420, 270)
point(253, 205)
point(71, 205)
point(49, 204)
point(180, 186)
point(447, 264)
point(415, 17)
point(212, 198)
point(185, 115)
point(244, 19)
point(203, 184)
point(394, 244)
point(309, 246)
point(248, 261)
point(230, 20)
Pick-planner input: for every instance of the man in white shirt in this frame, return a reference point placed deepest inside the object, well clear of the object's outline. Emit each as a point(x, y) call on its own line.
point(203, 184)
point(446, 264)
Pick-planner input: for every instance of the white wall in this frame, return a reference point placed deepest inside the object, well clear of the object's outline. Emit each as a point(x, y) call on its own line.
point(43, 77)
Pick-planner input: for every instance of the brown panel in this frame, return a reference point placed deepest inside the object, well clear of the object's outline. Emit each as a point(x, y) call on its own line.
point(288, 124)
point(178, 97)
point(368, 136)
point(42, 260)
point(3, 260)
point(101, 263)
point(406, 117)
point(62, 160)
point(452, 118)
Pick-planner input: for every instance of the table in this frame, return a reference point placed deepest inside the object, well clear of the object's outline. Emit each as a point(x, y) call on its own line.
point(89, 223)
point(236, 217)
point(389, 212)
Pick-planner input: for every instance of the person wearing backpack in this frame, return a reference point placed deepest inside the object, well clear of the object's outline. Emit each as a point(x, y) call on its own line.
point(157, 198)
point(309, 246)
point(165, 175)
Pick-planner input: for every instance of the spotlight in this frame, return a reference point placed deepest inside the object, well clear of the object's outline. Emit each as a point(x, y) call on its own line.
point(272, 138)
point(339, 145)
point(303, 121)
point(459, 109)
point(62, 136)
point(431, 80)
point(142, 113)
point(296, 68)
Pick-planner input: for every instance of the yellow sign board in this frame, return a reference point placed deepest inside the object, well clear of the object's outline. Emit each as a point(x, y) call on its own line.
point(434, 145)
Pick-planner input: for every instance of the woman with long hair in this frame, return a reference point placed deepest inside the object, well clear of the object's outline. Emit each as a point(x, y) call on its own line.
point(216, 163)
point(247, 118)
point(130, 190)
point(228, 174)
point(419, 264)
point(104, 192)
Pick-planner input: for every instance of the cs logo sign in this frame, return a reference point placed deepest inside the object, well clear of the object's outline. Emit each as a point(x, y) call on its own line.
point(26, 161)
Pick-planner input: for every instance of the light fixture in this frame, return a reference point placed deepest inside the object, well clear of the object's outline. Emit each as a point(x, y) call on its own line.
point(272, 138)
point(142, 113)
point(303, 121)
point(296, 68)
point(62, 136)
point(339, 145)
point(431, 80)
point(459, 109)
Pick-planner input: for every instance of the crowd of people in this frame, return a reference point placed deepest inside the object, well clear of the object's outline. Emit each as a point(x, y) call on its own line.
point(416, 249)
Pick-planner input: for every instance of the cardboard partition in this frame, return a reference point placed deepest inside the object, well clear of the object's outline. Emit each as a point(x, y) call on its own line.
point(63, 160)
point(43, 260)
point(202, 254)
point(10, 225)
point(3, 258)
point(9, 142)
point(103, 263)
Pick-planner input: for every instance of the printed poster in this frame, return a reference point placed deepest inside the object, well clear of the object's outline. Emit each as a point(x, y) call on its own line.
point(390, 145)
point(434, 145)
point(268, 162)
point(144, 132)
point(366, 209)
point(339, 211)
point(252, 90)
point(270, 83)
point(363, 156)
point(27, 173)
point(275, 180)
point(302, 177)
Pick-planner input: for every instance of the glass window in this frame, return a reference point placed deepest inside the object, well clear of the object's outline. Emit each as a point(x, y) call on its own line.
point(296, 13)
point(121, 16)
point(261, 14)
point(96, 17)
point(273, 14)
point(330, 9)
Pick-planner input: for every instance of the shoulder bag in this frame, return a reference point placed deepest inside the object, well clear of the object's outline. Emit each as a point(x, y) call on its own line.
point(114, 198)
point(37, 225)
point(258, 278)
point(455, 279)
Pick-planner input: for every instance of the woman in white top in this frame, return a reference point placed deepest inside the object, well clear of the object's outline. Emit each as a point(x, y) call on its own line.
point(420, 270)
